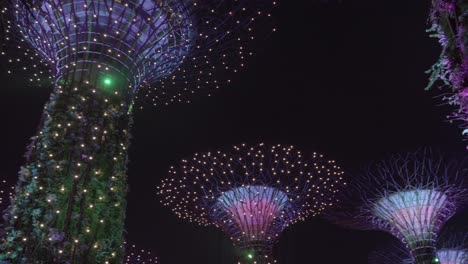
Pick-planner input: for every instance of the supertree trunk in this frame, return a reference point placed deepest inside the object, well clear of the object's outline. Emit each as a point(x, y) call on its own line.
point(423, 254)
point(256, 253)
point(70, 203)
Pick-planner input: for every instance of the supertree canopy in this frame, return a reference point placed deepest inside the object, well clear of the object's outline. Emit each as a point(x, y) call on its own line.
point(410, 196)
point(70, 203)
point(252, 193)
point(450, 26)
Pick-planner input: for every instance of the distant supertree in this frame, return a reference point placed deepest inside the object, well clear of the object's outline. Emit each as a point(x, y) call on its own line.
point(452, 245)
point(252, 193)
point(451, 249)
point(410, 196)
point(450, 25)
point(135, 255)
point(70, 203)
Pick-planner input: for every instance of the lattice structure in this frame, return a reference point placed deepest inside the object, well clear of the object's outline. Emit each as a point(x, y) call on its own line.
point(450, 25)
point(103, 54)
point(410, 196)
point(252, 193)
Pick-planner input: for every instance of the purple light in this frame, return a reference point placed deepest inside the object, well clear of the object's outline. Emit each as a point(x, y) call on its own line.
point(452, 256)
point(252, 193)
point(138, 40)
point(253, 209)
point(410, 196)
point(413, 213)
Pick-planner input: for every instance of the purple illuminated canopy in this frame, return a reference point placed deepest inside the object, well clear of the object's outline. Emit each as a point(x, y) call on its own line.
point(410, 195)
point(252, 192)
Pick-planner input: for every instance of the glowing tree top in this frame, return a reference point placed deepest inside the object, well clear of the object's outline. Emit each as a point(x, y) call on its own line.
point(450, 26)
point(70, 199)
point(135, 255)
point(178, 46)
point(410, 196)
point(251, 192)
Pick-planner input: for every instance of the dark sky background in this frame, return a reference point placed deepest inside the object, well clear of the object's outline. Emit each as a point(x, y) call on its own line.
point(345, 78)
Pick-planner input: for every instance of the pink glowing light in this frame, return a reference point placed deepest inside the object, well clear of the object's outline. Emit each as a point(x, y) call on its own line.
point(254, 209)
point(412, 213)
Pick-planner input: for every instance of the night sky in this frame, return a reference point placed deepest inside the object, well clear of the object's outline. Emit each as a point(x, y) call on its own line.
point(344, 78)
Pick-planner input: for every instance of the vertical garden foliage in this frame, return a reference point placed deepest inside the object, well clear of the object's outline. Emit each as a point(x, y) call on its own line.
point(70, 207)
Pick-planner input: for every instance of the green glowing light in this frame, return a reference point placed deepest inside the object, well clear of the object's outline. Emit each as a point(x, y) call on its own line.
point(436, 260)
point(250, 256)
point(107, 81)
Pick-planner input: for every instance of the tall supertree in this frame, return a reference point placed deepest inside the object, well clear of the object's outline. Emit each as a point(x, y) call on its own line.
point(252, 193)
point(409, 195)
point(450, 25)
point(70, 203)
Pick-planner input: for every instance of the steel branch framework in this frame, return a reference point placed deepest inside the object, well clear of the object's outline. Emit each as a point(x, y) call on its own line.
point(70, 201)
point(410, 196)
point(252, 193)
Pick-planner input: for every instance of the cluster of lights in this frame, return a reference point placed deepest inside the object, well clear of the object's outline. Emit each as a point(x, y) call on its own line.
point(410, 196)
point(103, 55)
point(252, 192)
point(160, 52)
point(135, 255)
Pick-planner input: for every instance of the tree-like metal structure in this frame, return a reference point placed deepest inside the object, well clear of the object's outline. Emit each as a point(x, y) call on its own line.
point(70, 204)
point(451, 249)
point(450, 25)
point(410, 196)
point(252, 193)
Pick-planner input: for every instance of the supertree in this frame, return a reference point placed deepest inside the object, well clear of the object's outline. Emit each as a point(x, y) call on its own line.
point(409, 195)
point(70, 203)
point(452, 245)
point(252, 193)
point(135, 255)
point(451, 249)
point(450, 25)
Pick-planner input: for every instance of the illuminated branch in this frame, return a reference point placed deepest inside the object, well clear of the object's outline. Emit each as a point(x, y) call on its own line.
point(103, 54)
